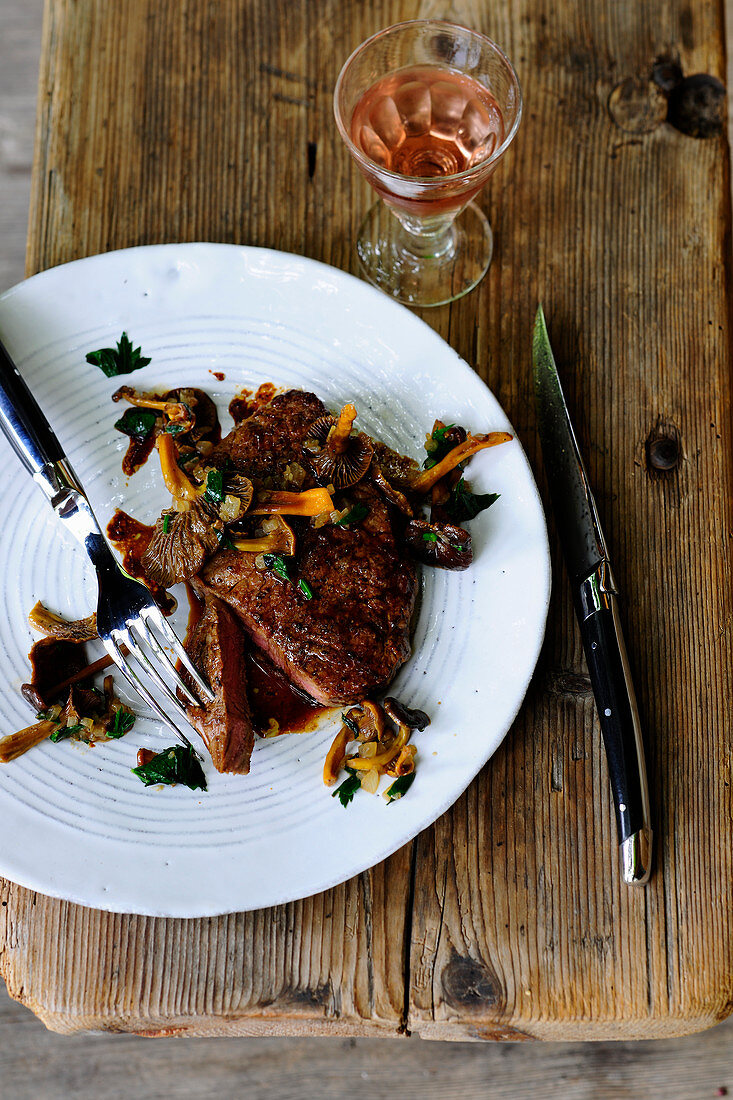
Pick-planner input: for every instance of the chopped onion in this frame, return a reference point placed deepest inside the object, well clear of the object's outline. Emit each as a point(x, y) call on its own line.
point(229, 510)
point(321, 519)
point(260, 563)
point(368, 748)
point(87, 723)
point(370, 781)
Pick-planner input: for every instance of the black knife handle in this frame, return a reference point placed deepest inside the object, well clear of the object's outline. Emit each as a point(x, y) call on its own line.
point(610, 676)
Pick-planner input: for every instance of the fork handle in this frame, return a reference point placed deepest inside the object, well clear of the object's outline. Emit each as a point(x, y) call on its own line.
point(30, 434)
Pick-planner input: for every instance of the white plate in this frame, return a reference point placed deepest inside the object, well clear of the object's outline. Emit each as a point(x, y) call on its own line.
point(74, 822)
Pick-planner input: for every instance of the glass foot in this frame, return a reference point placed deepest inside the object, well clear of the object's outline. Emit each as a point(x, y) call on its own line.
point(461, 262)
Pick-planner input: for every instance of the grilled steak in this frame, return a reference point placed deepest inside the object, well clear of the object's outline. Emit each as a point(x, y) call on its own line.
point(348, 641)
point(216, 646)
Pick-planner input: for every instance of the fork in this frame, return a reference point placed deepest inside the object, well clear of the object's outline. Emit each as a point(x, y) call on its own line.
point(127, 616)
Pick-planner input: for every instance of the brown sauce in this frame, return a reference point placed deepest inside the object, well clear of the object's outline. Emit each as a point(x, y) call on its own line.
point(271, 695)
point(130, 538)
point(247, 402)
point(218, 375)
point(137, 453)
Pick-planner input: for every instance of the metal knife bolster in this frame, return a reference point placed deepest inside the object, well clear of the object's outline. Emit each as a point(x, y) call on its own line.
point(600, 625)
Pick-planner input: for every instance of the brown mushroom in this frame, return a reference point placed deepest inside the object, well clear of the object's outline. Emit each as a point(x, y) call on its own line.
point(402, 715)
point(65, 630)
point(180, 416)
point(441, 544)
point(394, 496)
point(338, 456)
point(181, 542)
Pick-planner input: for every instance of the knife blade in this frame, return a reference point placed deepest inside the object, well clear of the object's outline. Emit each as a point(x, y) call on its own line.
point(597, 607)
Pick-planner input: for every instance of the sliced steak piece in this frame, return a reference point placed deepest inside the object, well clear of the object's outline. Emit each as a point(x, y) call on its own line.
point(216, 646)
point(347, 642)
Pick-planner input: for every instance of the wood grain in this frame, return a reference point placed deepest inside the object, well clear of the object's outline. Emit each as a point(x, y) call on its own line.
point(507, 919)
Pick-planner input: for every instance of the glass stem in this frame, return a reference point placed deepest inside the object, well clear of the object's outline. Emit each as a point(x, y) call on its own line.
point(428, 237)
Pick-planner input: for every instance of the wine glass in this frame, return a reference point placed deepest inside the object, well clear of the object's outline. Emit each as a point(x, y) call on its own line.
point(427, 109)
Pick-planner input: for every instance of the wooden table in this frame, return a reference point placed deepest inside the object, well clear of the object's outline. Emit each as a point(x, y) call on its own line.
point(202, 120)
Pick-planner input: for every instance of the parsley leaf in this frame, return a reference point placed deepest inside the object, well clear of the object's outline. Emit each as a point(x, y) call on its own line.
point(441, 448)
point(348, 788)
point(63, 732)
point(121, 724)
point(137, 423)
point(429, 536)
point(277, 564)
point(399, 788)
point(123, 359)
point(350, 724)
point(215, 487)
point(463, 505)
point(177, 764)
point(355, 515)
point(305, 588)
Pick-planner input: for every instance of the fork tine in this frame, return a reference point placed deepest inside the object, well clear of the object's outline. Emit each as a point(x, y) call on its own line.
point(149, 637)
point(156, 616)
point(127, 637)
point(112, 647)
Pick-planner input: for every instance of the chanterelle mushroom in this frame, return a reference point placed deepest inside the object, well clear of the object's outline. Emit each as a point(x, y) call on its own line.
point(186, 535)
point(337, 455)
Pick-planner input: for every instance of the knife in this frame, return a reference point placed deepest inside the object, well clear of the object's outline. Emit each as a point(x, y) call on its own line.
point(596, 605)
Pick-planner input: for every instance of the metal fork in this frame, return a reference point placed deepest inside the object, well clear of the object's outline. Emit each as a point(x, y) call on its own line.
point(127, 616)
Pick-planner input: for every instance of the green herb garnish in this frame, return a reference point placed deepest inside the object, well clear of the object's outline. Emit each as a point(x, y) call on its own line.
point(121, 724)
point(305, 588)
point(399, 788)
point(214, 492)
point(123, 359)
point(137, 423)
point(350, 724)
point(166, 523)
point(348, 788)
point(63, 732)
point(463, 505)
point(225, 543)
point(276, 564)
point(355, 515)
point(175, 429)
point(429, 536)
point(441, 446)
point(178, 764)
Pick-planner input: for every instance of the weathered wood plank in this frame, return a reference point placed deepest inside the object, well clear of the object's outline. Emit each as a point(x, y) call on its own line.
point(520, 912)
point(38, 1065)
point(150, 128)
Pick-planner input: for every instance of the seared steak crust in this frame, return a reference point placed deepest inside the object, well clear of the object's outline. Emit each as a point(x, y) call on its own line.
point(262, 445)
point(347, 642)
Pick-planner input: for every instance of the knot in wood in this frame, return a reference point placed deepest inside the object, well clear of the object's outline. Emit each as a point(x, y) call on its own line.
point(697, 106)
point(637, 105)
point(468, 983)
point(663, 448)
point(667, 72)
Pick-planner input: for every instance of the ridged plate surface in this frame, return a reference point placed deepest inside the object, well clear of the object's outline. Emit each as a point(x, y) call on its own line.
point(75, 822)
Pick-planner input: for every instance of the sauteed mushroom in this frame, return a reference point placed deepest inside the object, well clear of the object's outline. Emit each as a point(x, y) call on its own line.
point(336, 454)
point(440, 544)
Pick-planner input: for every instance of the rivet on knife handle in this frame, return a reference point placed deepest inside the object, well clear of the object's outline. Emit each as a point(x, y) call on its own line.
point(596, 605)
